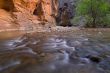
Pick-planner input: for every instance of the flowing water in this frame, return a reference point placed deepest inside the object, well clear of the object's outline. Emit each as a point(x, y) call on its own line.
point(69, 52)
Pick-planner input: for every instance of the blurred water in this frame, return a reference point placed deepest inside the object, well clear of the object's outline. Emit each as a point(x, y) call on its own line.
point(55, 53)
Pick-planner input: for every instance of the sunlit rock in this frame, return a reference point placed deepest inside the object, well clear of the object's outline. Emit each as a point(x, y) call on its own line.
point(21, 14)
point(6, 20)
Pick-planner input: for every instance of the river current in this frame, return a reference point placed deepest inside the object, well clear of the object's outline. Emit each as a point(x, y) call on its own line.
point(62, 52)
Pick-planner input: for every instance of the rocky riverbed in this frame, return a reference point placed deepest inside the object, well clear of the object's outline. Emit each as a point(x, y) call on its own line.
point(84, 51)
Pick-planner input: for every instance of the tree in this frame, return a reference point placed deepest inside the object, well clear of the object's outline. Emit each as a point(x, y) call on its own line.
point(93, 10)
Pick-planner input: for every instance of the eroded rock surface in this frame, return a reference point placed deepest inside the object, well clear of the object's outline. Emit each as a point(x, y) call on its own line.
point(24, 13)
point(32, 14)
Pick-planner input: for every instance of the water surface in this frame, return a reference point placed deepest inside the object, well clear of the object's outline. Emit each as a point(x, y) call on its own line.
point(66, 52)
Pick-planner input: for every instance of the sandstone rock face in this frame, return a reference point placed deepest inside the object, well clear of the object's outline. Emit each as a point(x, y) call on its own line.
point(23, 13)
point(25, 5)
point(7, 5)
point(49, 9)
point(6, 20)
point(30, 14)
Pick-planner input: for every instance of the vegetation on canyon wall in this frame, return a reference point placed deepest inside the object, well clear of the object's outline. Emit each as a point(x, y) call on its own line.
point(95, 13)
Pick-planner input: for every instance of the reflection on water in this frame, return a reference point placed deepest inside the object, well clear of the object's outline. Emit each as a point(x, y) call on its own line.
point(55, 53)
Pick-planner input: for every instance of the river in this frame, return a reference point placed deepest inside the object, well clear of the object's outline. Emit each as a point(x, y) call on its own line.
point(62, 52)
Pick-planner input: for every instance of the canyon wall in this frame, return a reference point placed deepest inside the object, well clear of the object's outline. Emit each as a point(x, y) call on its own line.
point(27, 14)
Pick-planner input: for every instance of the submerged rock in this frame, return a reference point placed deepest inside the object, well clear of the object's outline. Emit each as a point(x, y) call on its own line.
point(93, 58)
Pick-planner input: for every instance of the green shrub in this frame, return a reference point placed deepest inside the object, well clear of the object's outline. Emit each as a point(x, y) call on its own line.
point(96, 12)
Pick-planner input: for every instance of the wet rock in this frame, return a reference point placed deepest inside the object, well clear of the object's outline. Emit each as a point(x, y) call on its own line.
point(94, 58)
